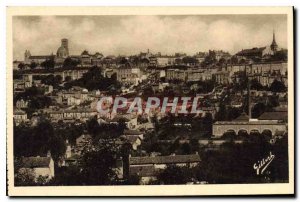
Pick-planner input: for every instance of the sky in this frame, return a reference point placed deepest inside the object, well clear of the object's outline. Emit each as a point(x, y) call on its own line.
point(126, 35)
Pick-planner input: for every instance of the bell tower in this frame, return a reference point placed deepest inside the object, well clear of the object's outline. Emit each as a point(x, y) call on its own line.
point(26, 56)
point(274, 45)
point(65, 44)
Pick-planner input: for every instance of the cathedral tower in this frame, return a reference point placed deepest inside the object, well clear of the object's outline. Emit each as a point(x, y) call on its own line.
point(65, 44)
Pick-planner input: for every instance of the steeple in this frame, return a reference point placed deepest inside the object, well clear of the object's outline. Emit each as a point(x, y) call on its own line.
point(274, 45)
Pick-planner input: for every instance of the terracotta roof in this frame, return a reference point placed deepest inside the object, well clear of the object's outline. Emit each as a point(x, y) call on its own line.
point(35, 162)
point(164, 159)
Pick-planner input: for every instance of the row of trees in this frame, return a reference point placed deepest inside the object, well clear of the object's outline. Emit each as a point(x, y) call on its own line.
point(38, 140)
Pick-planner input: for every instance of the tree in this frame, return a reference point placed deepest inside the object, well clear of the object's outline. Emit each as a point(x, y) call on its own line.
point(21, 66)
point(255, 85)
point(232, 113)
point(229, 135)
point(97, 166)
point(205, 86)
point(49, 63)
point(70, 63)
point(25, 177)
point(281, 55)
point(93, 126)
point(133, 180)
point(174, 175)
point(33, 65)
point(189, 60)
point(38, 140)
point(65, 176)
point(52, 80)
point(94, 80)
point(258, 110)
point(277, 86)
point(267, 134)
point(234, 60)
point(68, 78)
point(210, 58)
point(57, 147)
point(207, 124)
point(221, 114)
point(222, 61)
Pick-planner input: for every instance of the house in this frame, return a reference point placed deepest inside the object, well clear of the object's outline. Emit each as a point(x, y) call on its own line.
point(134, 141)
point(148, 167)
point(129, 119)
point(81, 114)
point(41, 166)
point(133, 133)
point(21, 104)
point(128, 75)
point(20, 116)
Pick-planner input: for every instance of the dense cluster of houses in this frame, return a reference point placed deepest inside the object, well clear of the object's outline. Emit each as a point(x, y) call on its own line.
point(161, 72)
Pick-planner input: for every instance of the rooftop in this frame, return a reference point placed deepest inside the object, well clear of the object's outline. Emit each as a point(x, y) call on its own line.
point(164, 159)
point(35, 162)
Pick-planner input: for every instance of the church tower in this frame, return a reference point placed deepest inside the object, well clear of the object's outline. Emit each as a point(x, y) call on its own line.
point(65, 44)
point(274, 45)
point(63, 50)
point(26, 56)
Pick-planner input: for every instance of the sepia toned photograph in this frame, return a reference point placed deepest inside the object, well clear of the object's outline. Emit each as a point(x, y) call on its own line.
point(150, 101)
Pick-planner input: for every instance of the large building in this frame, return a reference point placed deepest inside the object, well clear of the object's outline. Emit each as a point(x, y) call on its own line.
point(259, 52)
point(61, 54)
point(38, 59)
point(63, 51)
point(272, 122)
point(128, 75)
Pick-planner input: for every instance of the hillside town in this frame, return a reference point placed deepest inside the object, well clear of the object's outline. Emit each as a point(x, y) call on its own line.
point(60, 138)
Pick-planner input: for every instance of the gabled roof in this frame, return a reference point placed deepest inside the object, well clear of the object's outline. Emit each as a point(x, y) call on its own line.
point(164, 159)
point(35, 162)
point(242, 117)
point(85, 52)
point(276, 115)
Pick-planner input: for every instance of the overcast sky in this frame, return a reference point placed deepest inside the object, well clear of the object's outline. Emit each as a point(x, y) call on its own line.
point(133, 34)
